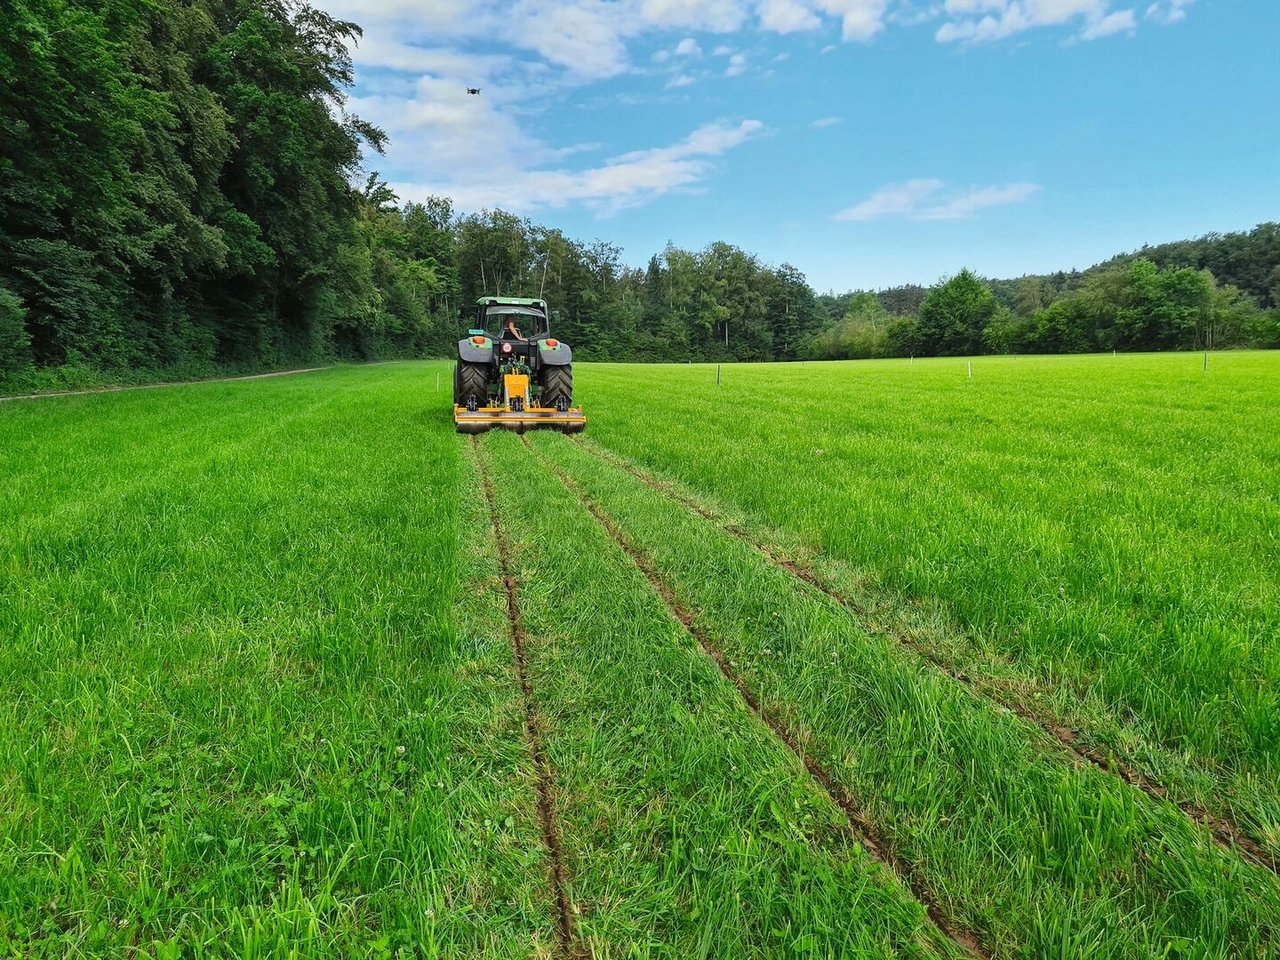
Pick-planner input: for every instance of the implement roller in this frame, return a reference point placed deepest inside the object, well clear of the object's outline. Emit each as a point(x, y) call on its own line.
point(506, 379)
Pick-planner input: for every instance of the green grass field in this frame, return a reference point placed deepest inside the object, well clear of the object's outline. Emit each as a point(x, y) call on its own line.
point(830, 660)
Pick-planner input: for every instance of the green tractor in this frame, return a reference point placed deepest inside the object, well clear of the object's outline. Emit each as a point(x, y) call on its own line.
point(512, 373)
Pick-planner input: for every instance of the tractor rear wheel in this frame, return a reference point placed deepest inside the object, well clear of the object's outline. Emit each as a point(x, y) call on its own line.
point(557, 387)
point(470, 382)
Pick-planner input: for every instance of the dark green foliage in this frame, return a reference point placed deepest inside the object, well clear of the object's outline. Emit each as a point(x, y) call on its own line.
point(861, 334)
point(1137, 307)
point(1129, 304)
point(903, 300)
point(14, 340)
point(174, 189)
point(955, 315)
point(1248, 260)
point(719, 303)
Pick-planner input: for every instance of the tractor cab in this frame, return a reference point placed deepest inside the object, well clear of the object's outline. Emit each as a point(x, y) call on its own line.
point(514, 322)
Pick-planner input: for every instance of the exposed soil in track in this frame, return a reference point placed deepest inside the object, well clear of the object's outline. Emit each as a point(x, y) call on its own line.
point(872, 840)
point(568, 940)
point(1227, 833)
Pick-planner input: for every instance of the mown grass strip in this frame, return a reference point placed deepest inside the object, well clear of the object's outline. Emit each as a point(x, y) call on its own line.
point(532, 723)
point(1223, 830)
point(868, 833)
point(1106, 523)
point(1044, 856)
point(690, 830)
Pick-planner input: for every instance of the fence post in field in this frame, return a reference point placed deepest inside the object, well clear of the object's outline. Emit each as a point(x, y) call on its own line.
point(717, 374)
point(437, 381)
point(970, 369)
point(1206, 361)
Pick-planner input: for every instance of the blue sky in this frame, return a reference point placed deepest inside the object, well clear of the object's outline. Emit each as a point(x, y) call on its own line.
point(867, 142)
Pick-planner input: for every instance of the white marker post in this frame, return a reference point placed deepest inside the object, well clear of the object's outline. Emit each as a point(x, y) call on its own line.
point(717, 374)
point(970, 369)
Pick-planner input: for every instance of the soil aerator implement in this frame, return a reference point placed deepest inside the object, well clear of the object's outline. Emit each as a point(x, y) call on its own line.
point(506, 379)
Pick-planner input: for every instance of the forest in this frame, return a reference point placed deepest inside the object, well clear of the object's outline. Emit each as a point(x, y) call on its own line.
point(183, 193)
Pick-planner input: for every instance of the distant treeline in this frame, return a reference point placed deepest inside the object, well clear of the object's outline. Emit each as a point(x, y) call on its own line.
point(1220, 291)
point(180, 195)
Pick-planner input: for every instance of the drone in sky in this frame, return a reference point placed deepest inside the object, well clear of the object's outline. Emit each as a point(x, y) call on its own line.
point(473, 91)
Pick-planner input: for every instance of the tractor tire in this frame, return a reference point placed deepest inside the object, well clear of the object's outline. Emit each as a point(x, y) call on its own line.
point(470, 382)
point(557, 387)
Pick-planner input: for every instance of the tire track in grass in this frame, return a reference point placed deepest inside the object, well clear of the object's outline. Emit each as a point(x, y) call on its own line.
point(872, 840)
point(1223, 830)
point(546, 799)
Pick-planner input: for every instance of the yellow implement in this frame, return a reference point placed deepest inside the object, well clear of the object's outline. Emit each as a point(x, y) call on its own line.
point(485, 418)
point(514, 413)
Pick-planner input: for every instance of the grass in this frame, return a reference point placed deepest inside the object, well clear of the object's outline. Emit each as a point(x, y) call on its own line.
point(1101, 529)
point(258, 694)
point(1034, 851)
point(689, 830)
point(238, 716)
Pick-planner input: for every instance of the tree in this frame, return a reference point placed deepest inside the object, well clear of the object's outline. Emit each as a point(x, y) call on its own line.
point(902, 337)
point(954, 315)
point(904, 300)
point(793, 311)
point(14, 341)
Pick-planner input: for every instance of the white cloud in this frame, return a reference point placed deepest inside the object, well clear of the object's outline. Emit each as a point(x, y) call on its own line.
point(688, 47)
point(722, 51)
point(892, 200)
point(1117, 22)
point(717, 16)
point(682, 80)
point(381, 49)
point(628, 180)
point(580, 36)
point(1004, 18)
point(978, 198)
point(826, 122)
point(1169, 11)
point(786, 16)
point(859, 19)
point(437, 15)
point(928, 199)
point(737, 65)
point(591, 39)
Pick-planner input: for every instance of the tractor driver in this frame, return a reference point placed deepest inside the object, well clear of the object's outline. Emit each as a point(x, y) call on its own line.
point(510, 332)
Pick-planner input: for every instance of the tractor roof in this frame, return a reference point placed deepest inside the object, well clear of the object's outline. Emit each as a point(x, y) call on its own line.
point(510, 302)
